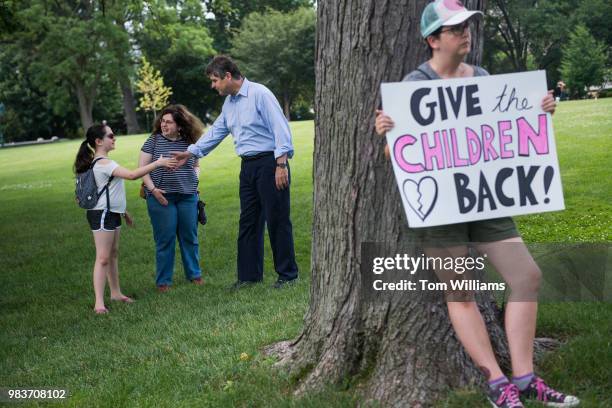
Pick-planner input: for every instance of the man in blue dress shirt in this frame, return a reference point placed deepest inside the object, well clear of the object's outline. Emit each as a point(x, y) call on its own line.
point(252, 114)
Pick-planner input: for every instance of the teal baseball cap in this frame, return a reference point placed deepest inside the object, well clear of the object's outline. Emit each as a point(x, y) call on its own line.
point(443, 13)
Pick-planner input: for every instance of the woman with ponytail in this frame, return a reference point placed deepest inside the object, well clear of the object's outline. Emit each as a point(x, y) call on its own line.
point(172, 196)
point(105, 218)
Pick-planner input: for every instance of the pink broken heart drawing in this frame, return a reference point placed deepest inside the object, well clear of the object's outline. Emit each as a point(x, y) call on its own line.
point(421, 195)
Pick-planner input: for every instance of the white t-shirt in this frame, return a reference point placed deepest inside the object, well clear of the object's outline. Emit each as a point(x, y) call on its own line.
point(102, 172)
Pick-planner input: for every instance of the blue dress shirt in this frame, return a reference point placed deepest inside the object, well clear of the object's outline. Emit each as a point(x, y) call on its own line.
point(255, 119)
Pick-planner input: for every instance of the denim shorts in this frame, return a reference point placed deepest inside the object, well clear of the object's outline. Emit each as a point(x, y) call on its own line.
point(496, 229)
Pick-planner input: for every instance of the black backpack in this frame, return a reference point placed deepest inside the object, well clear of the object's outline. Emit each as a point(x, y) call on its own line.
point(86, 191)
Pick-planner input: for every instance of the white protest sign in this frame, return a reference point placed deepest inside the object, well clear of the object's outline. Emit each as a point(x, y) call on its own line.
point(468, 149)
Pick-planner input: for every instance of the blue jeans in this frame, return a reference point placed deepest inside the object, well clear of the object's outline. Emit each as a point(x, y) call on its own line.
point(177, 219)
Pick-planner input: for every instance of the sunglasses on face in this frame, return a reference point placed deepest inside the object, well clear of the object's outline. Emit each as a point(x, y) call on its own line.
point(111, 136)
point(457, 29)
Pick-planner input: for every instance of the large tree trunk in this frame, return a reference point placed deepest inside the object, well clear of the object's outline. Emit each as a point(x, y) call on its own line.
point(286, 104)
point(402, 351)
point(129, 102)
point(85, 97)
point(129, 105)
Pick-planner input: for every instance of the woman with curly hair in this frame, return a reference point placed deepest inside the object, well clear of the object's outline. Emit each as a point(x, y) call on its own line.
point(172, 195)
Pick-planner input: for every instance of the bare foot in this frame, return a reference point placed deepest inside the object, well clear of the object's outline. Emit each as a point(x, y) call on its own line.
point(101, 310)
point(123, 298)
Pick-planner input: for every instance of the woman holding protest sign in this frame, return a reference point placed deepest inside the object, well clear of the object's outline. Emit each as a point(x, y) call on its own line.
point(105, 216)
point(445, 26)
point(172, 195)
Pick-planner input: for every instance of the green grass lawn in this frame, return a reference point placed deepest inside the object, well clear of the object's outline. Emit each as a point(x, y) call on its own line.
point(183, 348)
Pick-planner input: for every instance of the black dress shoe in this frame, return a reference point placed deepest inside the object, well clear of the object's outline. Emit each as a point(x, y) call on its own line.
point(281, 283)
point(242, 284)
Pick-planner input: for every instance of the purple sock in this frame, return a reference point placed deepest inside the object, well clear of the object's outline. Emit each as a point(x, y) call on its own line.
point(494, 384)
point(523, 381)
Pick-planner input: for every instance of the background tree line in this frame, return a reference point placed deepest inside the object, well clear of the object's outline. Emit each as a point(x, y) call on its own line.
point(65, 64)
point(570, 39)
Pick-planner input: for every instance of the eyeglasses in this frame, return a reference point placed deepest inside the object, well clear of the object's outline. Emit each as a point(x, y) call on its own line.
point(111, 136)
point(457, 29)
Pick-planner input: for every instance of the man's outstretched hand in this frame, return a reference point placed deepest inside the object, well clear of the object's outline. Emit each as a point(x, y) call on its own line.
point(180, 157)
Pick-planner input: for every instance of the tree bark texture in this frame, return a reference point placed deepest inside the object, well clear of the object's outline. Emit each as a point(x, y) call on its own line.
point(85, 96)
point(86, 92)
point(402, 352)
point(286, 104)
point(129, 105)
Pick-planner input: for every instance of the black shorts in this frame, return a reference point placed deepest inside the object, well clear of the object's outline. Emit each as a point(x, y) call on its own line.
point(103, 220)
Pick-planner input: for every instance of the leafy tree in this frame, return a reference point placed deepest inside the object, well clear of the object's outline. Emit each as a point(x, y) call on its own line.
point(124, 15)
point(175, 37)
point(521, 29)
point(34, 112)
point(154, 94)
point(226, 16)
point(595, 14)
point(277, 49)
point(71, 51)
point(28, 114)
point(526, 34)
point(8, 11)
point(65, 63)
point(66, 48)
point(584, 61)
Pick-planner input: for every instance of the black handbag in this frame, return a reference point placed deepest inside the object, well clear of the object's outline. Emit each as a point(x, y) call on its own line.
point(202, 212)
